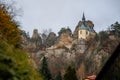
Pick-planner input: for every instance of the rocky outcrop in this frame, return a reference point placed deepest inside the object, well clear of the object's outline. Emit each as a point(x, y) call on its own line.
point(88, 56)
point(51, 39)
point(64, 41)
point(25, 39)
point(87, 63)
point(68, 31)
point(65, 31)
point(35, 41)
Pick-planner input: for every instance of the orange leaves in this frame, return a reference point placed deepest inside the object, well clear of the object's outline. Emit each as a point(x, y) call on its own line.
point(9, 30)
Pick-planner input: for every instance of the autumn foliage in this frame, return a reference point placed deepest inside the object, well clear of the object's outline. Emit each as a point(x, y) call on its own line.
point(9, 30)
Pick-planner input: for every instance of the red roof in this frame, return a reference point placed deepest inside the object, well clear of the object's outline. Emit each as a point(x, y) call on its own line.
point(92, 77)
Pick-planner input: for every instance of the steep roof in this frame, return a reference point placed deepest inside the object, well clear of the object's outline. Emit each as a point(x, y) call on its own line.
point(84, 25)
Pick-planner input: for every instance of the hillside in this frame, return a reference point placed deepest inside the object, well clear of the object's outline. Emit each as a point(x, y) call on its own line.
point(47, 56)
point(15, 63)
point(87, 56)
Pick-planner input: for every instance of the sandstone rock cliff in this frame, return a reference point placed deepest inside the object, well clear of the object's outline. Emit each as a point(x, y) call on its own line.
point(87, 63)
point(51, 39)
point(87, 56)
point(35, 41)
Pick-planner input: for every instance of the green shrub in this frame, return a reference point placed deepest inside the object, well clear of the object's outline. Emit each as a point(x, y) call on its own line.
point(15, 64)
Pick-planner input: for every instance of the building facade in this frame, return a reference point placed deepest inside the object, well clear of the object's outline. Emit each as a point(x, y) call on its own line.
point(86, 29)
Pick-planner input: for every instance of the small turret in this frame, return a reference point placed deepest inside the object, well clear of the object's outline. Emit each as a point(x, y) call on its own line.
point(83, 18)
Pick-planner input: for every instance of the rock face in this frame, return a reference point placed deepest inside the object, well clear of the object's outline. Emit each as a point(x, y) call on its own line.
point(81, 46)
point(35, 41)
point(87, 56)
point(32, 44)
point(88, 62)
point(64, 41)
point(25, 39)
point(65, 31)
point(51, 39)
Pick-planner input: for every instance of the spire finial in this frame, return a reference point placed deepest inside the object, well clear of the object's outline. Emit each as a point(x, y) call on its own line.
point(83, 18)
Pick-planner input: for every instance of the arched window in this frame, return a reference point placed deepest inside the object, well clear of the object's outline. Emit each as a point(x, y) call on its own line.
point(87, 33)
point(80, 32)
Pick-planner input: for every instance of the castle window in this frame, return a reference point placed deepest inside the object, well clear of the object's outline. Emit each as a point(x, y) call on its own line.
point(80, 32)
point(87, 33)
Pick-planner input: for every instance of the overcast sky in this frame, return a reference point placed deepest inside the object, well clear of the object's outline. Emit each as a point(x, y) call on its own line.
point(55, 14)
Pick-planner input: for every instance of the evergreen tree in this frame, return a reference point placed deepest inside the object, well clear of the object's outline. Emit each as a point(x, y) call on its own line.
point(103, 35)
point(116, 28)
point(44, 70)
point(63, 30)
point(58, 76)
point(68, 30)
point(70, 74)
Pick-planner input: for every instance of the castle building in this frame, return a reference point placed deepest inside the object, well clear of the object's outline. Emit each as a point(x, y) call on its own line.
point(85, 29)
point(83, 32)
